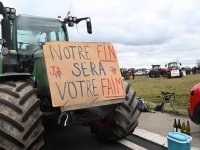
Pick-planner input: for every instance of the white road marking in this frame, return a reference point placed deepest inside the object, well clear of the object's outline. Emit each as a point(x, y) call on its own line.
point(131, 145)
point(150, 136)
point(154, 137)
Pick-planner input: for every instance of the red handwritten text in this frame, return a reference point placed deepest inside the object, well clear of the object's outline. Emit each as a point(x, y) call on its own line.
point(106, 53)
point(55, 70)
point(111, 86)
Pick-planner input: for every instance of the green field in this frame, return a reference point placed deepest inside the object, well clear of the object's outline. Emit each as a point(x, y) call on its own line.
point(150, 89)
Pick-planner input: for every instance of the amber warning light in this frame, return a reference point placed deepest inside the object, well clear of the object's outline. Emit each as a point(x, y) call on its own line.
point(59, 16)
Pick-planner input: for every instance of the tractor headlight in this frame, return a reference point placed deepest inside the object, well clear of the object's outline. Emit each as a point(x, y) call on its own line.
point(4, 51)
point(10, 13)
point(1, 41)
point(70, 18)
point(13, 10)
point(12, 16)
point(70, 24)
point(7, 9)
point(74, 19)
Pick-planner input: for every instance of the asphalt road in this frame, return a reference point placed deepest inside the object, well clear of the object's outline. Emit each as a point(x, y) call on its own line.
point(78, 137)
point(144, 143)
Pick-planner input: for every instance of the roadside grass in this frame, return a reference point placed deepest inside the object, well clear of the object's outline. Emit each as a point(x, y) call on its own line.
point(150, 89)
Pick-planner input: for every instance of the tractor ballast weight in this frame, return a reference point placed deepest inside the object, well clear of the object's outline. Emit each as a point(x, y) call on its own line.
point(44, 77)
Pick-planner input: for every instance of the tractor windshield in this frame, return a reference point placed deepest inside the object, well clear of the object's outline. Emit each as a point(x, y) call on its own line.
point(156, 67)
point(173, 64)
point(35, 31)
point(32, 33)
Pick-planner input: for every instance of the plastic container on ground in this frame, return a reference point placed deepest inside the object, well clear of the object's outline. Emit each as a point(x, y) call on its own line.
point(178, 141)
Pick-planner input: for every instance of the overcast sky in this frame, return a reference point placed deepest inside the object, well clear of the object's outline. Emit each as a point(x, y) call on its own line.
point(144, 32)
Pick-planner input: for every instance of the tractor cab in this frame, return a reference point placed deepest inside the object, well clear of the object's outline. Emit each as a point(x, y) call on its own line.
point(174, 66)
point(23, 35)
point(156, 67)
point(30, 33)
point(174, 70)
point(155, 71)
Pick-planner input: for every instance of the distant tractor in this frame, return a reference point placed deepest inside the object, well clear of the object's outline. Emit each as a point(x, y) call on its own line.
point(198, 66)
point(155, 71)
point(173, 70)
point(126, 73)
point(198, 63)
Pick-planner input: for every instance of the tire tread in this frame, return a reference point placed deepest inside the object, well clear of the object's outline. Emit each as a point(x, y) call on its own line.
point(122, 121)
point(15, 133)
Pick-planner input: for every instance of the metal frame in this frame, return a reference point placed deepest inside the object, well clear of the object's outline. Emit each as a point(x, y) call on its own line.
point(166, 96)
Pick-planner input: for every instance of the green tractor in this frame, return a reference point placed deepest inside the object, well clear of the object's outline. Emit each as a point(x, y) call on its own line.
point(39, 84)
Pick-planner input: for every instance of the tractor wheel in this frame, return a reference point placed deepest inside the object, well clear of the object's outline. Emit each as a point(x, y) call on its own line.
point(155, 75)
point(181, 73)
point(20, 116)
point(168, 75)
point(151, 74)
point(121, 122)
point(158, 75)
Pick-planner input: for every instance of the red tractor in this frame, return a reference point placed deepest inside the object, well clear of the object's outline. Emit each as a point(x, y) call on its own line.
point(194, 107)
point(126, 73)
point(173, 70)
point(155, 71)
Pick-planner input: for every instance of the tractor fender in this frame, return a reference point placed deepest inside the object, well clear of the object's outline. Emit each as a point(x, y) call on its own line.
point(14, 76)
point(195, 117)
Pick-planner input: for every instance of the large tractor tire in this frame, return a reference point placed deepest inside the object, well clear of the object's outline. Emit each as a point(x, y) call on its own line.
point(20, 117)
point(121, 122)
point(158, 75)
point(153, 75)
point(181, 73)
point(168, 75)
point(150, 74)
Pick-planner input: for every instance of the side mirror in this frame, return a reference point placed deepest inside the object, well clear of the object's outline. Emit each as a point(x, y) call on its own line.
point(165, 65)
point(89, 27)
point(88, 23)
point(70, 24)
point(180, 64)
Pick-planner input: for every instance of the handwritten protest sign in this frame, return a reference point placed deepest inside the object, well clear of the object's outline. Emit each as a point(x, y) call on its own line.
point(175, 73)
point(82, 72)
